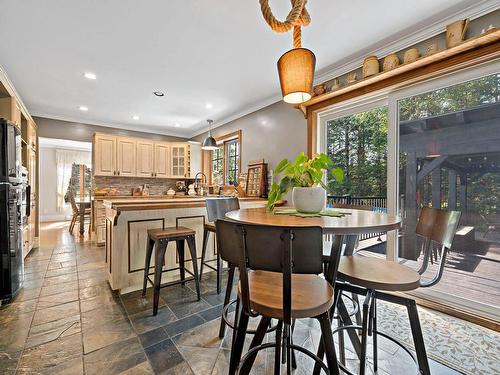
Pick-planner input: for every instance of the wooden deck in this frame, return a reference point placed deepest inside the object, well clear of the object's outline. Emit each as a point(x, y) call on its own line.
point(474, 276)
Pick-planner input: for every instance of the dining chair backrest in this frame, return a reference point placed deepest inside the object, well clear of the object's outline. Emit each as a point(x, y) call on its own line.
point(437, 226)
point(217, 208)
point(72, 200)
point(276, 249)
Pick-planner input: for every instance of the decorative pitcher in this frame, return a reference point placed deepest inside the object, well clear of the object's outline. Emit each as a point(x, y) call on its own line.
point(455, 32)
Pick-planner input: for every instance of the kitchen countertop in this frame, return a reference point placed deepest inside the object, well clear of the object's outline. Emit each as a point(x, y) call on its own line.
point(161, 202)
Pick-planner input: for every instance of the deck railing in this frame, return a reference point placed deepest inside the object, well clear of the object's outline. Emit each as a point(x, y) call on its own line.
point(376, 203)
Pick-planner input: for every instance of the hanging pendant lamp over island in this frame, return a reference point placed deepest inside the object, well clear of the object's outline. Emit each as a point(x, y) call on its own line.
point(209, 143)
point(295, 67)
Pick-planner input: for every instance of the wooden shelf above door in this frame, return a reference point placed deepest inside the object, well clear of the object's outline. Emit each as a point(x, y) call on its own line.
point(472, 51)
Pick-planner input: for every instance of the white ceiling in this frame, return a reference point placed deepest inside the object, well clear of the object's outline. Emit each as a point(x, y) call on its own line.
point(197, 52)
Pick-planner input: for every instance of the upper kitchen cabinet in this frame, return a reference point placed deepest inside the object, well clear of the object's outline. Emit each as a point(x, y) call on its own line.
point(179, 152)
point(194, 158)
point(126, 157)
point(162, 160)
point(104, 155)
point(10, 109)
point(145, 158)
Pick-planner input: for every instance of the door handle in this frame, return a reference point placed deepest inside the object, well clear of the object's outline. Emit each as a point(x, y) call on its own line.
point(118, 173)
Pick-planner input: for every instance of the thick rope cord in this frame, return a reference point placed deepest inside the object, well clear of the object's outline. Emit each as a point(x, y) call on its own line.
point(297, 18)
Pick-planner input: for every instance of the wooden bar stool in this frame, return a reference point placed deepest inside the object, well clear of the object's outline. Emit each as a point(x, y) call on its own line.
point(216, 210)
point(159, 239)
point(279, 279)
point(379, 279)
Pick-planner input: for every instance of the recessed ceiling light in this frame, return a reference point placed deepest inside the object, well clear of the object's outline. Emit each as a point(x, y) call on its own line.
point(135, 117)
point(208, 106)
point(83, 108)
point(158, 93)
point(177, 125)
point(90, 75)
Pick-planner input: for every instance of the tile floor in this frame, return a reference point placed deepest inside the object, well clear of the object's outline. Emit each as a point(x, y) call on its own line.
point(66, 320)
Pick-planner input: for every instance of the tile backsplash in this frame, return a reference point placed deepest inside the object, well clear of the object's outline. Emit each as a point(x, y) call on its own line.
point(124, 185)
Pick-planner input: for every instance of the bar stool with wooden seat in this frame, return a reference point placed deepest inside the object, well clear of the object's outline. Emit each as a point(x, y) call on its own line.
point(379, 279)
point(216, 210)
point(159, 239)
point(279, 279)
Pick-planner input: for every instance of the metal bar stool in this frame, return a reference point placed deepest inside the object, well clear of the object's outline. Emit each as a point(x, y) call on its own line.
point(216, 210)
point(379, 279)
point(270, 260)
point(159, 239)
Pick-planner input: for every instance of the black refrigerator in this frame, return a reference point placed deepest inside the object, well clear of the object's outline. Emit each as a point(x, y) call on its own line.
point(12, 211)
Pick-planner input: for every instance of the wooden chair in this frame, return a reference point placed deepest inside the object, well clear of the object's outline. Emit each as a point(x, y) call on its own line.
point(378, 279)
point(279, 270)
point(216, 209)
point(159, 239)
point(76, 213)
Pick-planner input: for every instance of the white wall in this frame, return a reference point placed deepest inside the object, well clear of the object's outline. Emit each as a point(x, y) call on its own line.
point(275, 132)
point(48, 186)
point(48, 176)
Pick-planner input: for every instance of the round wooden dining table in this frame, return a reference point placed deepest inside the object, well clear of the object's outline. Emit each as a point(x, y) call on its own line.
point(346, 230)
point(354, 222)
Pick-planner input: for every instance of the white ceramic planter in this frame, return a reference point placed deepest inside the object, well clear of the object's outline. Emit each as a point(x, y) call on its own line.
point(309, 199)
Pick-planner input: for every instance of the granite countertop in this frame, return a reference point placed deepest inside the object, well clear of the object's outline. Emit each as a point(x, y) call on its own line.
point(161, 202)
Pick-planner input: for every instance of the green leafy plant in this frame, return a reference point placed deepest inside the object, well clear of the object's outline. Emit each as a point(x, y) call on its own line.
point(301, 172)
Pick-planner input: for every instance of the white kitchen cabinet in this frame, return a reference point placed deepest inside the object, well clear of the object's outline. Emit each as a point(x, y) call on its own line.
point(162, 160)
point(194, 158)
point(145, 158)
point(179, 157)
point(104, 155)
point(126, 152)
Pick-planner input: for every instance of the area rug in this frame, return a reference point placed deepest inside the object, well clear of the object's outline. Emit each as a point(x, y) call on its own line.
point(458, 344)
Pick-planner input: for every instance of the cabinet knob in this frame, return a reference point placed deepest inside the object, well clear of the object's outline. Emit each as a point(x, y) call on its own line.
point(118, 173)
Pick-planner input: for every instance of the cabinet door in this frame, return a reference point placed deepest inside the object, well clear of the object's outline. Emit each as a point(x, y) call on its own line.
point(16, 113)
point(32, 140)
point(179, 160)
point(104, 155)
point(145, 165)
point(32, 172)
point(126, 157)
point(162, 160)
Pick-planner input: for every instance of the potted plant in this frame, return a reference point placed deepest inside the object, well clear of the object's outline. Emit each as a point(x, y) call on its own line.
point(305, 177)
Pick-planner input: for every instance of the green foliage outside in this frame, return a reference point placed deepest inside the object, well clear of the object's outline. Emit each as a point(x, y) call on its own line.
point(358, 144)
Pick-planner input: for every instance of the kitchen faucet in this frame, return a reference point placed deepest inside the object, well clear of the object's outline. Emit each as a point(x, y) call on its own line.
point(196, 186)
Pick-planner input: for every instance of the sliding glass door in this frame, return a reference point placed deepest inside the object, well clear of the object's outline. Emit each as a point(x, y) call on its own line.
point(434, 144)
point(446, 136)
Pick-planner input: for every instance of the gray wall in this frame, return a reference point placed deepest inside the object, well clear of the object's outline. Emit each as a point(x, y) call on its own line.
point(272, 133)
point(76, 131)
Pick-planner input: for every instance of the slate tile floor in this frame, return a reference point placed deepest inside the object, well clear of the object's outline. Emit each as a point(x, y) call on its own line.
point(67, 321)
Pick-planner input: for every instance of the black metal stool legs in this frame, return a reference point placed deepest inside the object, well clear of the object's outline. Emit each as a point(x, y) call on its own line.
point(227, 298)
point(218, 260)
point(149, 251)
point(238, 342)
point(160, 248)
point(192, 249)
point(418, 339)
point(182, 256)
point(206, 235)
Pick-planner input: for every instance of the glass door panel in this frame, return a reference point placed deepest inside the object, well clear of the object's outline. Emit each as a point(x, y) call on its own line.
point(358, 144)
point(449, 158)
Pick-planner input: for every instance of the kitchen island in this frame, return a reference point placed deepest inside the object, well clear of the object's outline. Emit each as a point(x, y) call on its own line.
point(127, 222)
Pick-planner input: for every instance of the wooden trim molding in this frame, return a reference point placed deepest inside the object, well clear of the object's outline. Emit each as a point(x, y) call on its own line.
point(457, 313)
point(474, 51)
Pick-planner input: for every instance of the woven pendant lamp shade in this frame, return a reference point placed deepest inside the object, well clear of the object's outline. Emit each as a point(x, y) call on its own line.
point(296, 72)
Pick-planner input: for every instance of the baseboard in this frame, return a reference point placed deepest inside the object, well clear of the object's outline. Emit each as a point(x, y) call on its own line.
point(56, 217)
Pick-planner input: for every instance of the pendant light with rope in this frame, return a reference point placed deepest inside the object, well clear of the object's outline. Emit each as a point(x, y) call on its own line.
point(295, 67)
